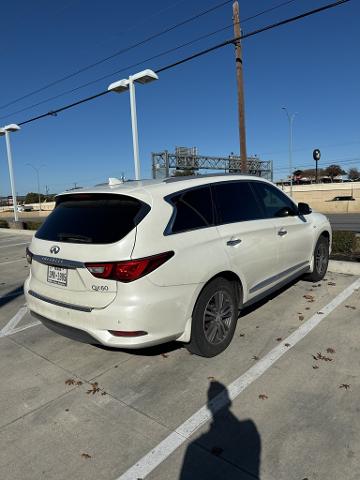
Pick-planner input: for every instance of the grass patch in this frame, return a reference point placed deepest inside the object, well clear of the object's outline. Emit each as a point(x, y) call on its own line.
point(343, 242)
point(33, 225)
point(3, 224)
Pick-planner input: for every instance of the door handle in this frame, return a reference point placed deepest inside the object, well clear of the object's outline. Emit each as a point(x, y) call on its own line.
point(282, 232)
point(232, 243)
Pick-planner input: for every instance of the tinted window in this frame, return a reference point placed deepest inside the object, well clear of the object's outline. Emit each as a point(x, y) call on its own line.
point(193, 209)
point(92, 218)
point(236, 202)
point(275, 203)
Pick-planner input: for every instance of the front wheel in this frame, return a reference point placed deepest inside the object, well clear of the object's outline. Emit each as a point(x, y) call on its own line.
point(321, 260)
point(214, 318)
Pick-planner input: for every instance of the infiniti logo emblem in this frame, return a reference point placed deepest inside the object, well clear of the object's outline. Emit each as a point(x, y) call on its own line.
point(55, 249)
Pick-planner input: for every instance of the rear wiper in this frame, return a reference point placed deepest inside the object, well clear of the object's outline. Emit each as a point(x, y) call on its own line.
point(74, 237)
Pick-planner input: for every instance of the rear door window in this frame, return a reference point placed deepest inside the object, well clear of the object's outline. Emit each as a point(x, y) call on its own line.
point(192, 209)
point(92, 218)
point(236, 202)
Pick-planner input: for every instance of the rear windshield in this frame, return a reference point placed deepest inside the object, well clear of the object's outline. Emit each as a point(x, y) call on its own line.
point(92, 218)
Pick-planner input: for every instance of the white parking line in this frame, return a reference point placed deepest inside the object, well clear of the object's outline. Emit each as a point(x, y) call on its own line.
point(13, 261)
point(165, 448)
point(14, 244)
point(25, 327)
point(14, 321)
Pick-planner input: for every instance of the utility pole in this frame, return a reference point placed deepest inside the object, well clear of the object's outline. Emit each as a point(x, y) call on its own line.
point(240, 87)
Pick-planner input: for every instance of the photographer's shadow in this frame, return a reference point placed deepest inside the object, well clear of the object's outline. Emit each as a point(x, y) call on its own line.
point(229, 450)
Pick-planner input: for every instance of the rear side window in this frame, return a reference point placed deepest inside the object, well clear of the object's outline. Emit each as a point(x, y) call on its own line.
point(236, 202)
point(192, 209)
point(274, 202)
point(92, 218)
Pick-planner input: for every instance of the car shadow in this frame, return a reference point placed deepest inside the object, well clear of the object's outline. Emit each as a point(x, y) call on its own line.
point(12, 295)
point(230, 448)
point(154, 351)
point(254, 306)
point(165, 348)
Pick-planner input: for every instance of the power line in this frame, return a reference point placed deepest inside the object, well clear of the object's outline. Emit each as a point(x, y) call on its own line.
point(117, 53)
point(199, 54)
point(166, 52)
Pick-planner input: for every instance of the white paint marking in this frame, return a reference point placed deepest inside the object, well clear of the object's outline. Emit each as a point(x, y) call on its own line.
point(14, 244)
point(165, 448)
point(13, 261)
point(14, 321)
point(25, 327)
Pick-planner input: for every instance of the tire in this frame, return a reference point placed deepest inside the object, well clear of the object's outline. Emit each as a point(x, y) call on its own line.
point(214, 318)
point(321, 260)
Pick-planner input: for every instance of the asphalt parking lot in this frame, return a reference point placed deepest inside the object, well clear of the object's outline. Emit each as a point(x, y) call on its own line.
point(282, 399)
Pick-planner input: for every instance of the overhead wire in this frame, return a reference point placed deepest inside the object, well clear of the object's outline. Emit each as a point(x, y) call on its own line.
point(123, 69)
point(117, 53)
point(199, 54)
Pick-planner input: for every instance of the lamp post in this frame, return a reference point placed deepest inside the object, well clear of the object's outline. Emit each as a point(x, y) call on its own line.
point(6, 131)
point(38, 180)
point(291, 121)
point(146, 76)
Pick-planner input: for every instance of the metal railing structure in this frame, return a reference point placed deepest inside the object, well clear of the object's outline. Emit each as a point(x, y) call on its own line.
point(164, 163)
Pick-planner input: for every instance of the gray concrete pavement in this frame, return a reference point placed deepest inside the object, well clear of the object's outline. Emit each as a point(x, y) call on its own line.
point(305, 428)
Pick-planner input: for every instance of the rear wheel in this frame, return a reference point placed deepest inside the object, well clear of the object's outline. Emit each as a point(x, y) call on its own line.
point(321, 260)
point(214, 318)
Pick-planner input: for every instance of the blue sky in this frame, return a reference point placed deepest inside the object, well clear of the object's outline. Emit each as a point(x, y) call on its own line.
point(311, 66)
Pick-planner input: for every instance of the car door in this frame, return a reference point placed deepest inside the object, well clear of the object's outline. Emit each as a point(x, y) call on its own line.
point(248, 238)
point(294, 233)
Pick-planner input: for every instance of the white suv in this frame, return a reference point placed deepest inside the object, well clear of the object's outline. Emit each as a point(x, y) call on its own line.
point(139, 263)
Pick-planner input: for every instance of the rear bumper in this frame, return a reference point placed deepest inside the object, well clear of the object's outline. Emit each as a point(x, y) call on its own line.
point(162, 312)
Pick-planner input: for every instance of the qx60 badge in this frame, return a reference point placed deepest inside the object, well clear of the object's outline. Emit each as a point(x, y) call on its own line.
point(55, 249)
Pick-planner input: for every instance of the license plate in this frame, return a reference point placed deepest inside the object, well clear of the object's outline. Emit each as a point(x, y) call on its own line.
point(57, 275)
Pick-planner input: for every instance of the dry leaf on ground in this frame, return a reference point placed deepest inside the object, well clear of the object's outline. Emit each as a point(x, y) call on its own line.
point(346, 386)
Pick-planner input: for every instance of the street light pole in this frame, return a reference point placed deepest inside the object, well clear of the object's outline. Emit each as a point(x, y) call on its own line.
point(291, 121)
point(38, 180)
point(134, 128)
point(146, 76)
point(6, 131)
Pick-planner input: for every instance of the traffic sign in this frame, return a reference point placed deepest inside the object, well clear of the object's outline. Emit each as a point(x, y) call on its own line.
point(316, 154)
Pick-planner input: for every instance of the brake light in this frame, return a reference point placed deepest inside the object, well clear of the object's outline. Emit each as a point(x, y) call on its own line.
point(130, 270)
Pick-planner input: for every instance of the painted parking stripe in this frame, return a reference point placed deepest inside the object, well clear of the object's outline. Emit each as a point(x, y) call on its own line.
point(165, 448)
point(21, 329)
point(13, 261)
point(14, 244)
point(16, 319)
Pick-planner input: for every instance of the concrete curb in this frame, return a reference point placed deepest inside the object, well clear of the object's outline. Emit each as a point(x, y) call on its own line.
point(13, 231)
point(350, 268)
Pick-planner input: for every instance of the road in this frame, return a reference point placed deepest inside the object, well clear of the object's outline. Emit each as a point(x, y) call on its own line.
point(72, 410)
point(345, 221)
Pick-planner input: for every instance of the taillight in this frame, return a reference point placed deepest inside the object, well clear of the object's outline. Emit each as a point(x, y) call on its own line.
point(29, 255)
point(129, 270)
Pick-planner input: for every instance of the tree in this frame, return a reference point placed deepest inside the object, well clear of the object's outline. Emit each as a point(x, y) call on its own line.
point(354, 174)
point(32, 197)
point(334, 170)
point(183, 173)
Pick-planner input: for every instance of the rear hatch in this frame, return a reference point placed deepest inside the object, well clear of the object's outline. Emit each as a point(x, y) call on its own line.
point(83, 228)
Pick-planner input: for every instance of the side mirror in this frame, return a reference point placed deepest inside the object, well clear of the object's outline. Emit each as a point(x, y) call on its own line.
point(304, 209)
